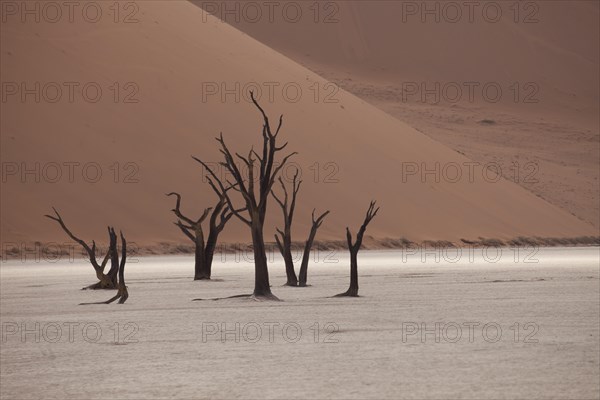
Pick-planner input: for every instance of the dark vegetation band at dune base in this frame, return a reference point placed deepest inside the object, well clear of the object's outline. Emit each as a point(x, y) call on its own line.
point(252, 213)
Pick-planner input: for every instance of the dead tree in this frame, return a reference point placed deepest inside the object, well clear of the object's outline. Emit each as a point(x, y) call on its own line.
point(105, 281)
point(316, 224)
point(122, 293)
point(354, 248)
point(255, 205)
point(204, 249)
point(284, 238)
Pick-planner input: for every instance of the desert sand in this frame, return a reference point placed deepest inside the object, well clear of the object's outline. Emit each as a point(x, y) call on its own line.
point(366, 347)
point(109, 154)
point(542, 130)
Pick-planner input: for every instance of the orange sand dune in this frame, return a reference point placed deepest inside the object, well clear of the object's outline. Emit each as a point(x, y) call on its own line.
point(528, 69)
point(166, 67)
point(553, 44)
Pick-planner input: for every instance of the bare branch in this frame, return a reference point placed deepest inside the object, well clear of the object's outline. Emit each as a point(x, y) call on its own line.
point(223, 190)
point(295, 189)
point(185, 230)
point(91, 251)
point(283, 203)
point(251, 176)
point(177, 210)
point(279, 244)
point(319, 220)
point(270, 181)
point(281, 147)
point(371, 213)
point(123, 259)
point(203, 216)
point(279, 127)
point(225, 216)
point(266, 119)
point(349, 237)
point(257, 156)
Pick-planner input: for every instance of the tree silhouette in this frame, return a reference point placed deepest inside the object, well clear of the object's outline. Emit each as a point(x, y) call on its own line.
point(204, 249)
point(354, 248)
point(105, 281)
point(255, 210)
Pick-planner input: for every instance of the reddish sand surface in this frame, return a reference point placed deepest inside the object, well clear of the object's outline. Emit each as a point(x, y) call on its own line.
point(438, 67)
point(175, 77)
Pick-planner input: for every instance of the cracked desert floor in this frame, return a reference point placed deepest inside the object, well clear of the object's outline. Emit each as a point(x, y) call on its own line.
point(385, 344)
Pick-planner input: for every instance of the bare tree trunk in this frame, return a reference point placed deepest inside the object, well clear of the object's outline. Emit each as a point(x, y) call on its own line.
point(209, 252)
point(316, 223)
point(354, 248)
point(353, 289)
point(122, 288)
point(292, 279)
point(285, 249)
point(114, 258)
point(304, 265)
point(262, 288)
point(200, 270)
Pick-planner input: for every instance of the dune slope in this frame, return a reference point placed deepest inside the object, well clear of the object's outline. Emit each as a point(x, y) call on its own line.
point(529, 69)
point(111, 158)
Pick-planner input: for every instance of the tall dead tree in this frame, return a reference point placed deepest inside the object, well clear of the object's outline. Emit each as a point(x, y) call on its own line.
point(122, 293)
point(354, 248)
point(316, 224)
point(284, 238)
point(204, 249)
point(255, 204)
point(105, 281)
